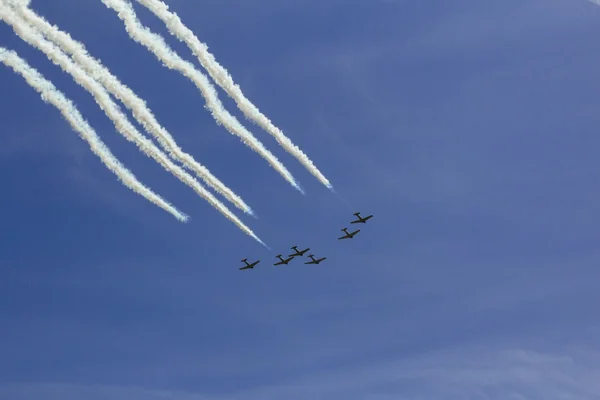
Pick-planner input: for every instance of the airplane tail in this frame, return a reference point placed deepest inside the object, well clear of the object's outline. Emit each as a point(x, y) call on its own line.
point(245, 259)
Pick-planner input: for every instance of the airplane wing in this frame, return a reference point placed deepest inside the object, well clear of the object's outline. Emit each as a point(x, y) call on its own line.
point(361, 220)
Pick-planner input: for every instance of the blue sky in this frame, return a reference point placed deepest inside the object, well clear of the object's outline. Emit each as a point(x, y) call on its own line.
point(468, 128)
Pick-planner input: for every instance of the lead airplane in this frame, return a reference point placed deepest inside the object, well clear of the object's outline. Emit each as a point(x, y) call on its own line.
point(313, 259)
point(360, 219)
point(287, 260)
point(249, 266)
point(298, 252)
point(348, 235)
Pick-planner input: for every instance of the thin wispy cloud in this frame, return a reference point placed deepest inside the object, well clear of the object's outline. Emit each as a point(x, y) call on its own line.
point(462, 373)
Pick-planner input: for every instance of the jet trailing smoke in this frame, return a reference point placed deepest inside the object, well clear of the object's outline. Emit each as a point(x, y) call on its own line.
point(51, 95)
point(224, 80)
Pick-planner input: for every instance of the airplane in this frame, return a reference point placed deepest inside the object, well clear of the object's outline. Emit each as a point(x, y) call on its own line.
point(313, 259)
point(287, 260)
point(361, 220)
point(348, 235)
point(298, 252)
point(249, 266)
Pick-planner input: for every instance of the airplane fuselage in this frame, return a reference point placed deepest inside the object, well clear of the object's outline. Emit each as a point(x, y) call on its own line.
point(249, 266)
point(349, 235)
point(298, 253)
point(361, 220)
point(287, 260)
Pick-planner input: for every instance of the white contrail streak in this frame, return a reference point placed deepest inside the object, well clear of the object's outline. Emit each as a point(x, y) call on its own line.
point(224, 80)
point(156, 44)
point(51, 95)
point(111, 109)
point(137, 106)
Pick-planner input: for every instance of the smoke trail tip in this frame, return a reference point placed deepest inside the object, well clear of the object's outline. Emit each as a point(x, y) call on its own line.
point(299, 188)
point(249, 210)
point(183, 218)
point(261, 242)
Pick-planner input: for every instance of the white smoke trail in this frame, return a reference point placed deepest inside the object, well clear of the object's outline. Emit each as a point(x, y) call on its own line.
point(51, 95)
point(156, 44)
point(113, 112)
point(138, 107)
point(225, 81)
point(17, 3)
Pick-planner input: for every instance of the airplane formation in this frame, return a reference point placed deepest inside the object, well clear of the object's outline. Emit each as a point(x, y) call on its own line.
point(300, 253)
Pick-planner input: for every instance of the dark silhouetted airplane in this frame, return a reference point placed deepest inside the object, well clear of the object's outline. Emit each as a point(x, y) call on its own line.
point(360, 219)
point(313, 259)
point(249, 266)
point(298, 252)
point(348, 235)
point(287, 260)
